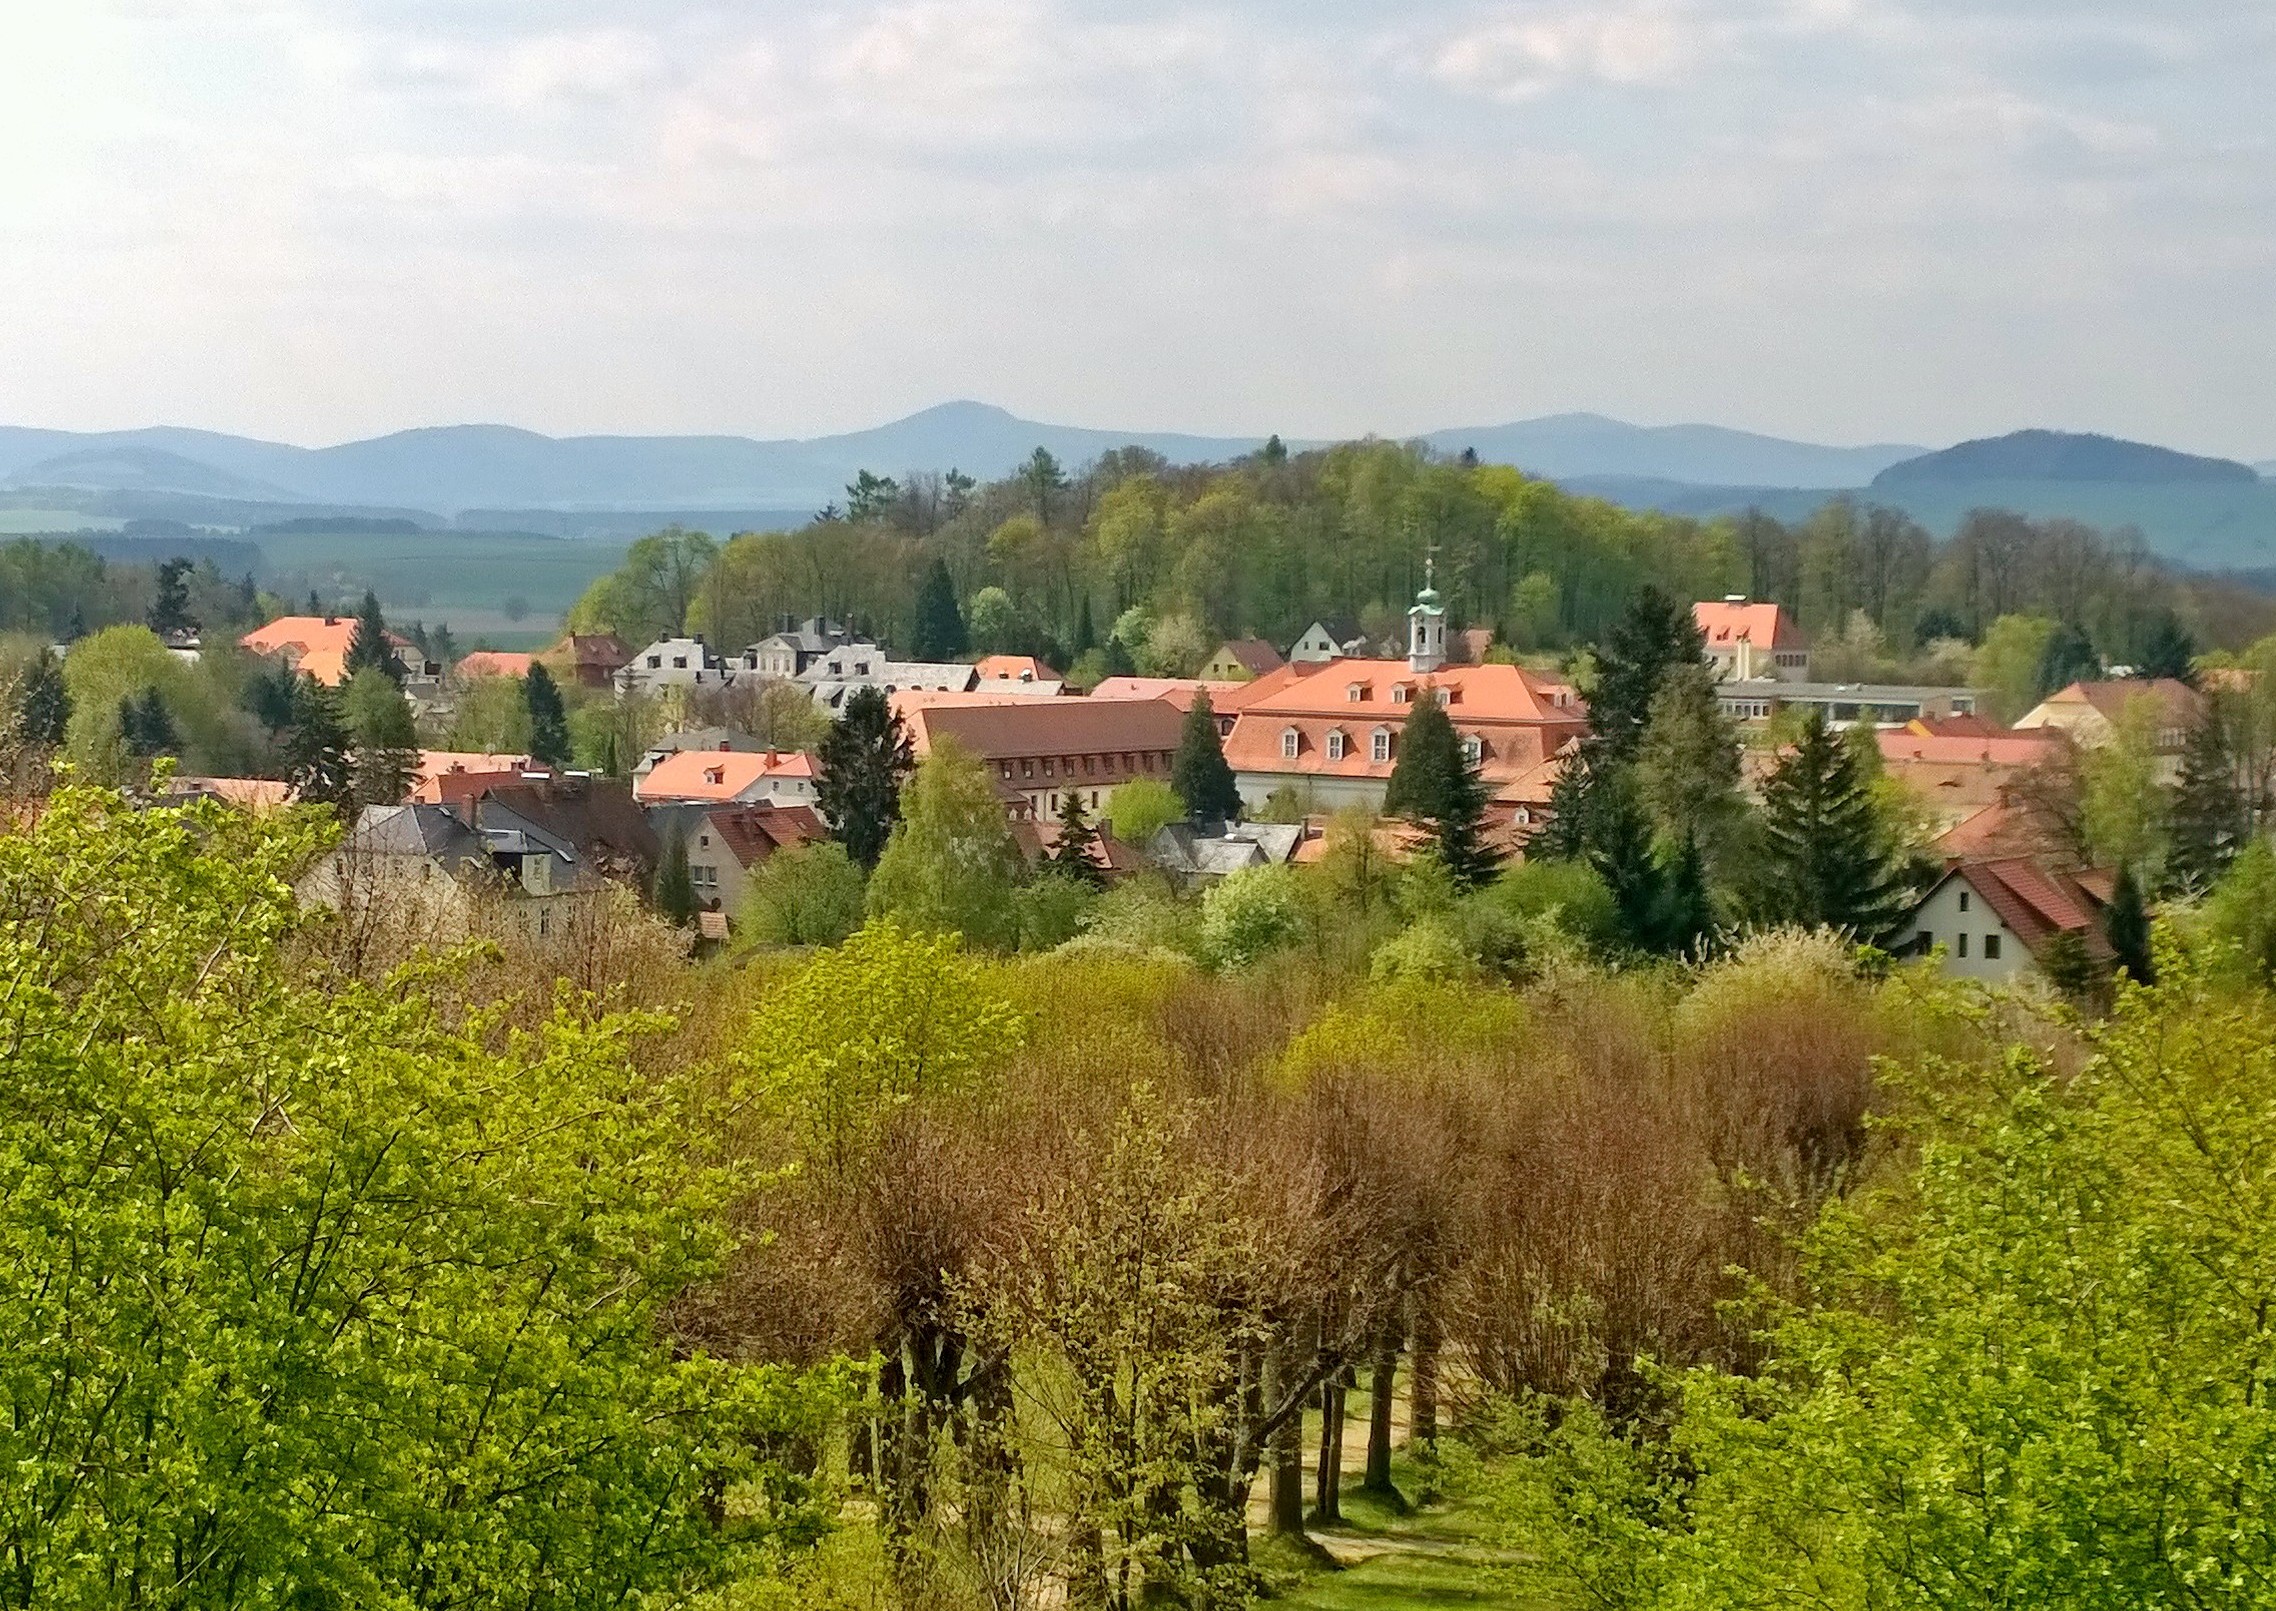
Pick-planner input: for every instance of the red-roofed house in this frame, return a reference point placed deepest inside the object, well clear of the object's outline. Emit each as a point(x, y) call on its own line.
point(451, 777)
point(1994, 918)
point(318, 645)
point(730, 777)
point(1014, 668)
point(727, 844)
point(2091, 711)
point(1038, 749)
point(589, 659)
point(1335, 735)
point(493, 663)
point(1749, 642)
point(1957, 775)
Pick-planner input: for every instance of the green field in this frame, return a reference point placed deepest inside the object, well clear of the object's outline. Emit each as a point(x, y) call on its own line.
point(30, 522)
point(472, 580)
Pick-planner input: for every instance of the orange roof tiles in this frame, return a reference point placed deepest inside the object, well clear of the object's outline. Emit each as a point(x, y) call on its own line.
point(1015, 667)
point(722, 775)
point(1179, 691)
point(495, 663)
point(1766, 626)
point(316, 644)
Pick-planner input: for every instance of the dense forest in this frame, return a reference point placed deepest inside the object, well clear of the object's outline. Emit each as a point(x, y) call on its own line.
point(1055, 562)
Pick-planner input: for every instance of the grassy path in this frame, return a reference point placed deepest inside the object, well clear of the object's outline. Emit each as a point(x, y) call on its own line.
point(1438, 1559)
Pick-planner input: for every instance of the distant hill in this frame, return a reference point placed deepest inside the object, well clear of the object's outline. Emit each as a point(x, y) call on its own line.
point(1572, 445)
point(455, 468)
point(126, 468)
point(2063, 456)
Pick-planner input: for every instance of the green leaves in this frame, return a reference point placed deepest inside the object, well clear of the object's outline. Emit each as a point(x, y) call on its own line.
point(308, 1297)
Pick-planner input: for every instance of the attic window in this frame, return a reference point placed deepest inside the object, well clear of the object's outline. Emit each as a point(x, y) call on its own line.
point(715, 774)
point(1473, 749)
point(1356, 692)
point(1290, 742)
point(1336, 744)
point(1399, 694)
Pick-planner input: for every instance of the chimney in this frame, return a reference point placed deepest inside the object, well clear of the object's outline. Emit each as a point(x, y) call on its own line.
point(1734, 598)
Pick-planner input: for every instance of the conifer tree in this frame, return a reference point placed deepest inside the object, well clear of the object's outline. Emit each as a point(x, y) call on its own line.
point(2069, 657)
point(1200, 776)
point(2207, 822)
point(369, 646)
point(675, 886)
point(386, 738)
point(1686, 912)
point(1619, 848)
point(1434, 783)
point(1118, 661)
point(940, 632)
point(43, 705)
point(865, 756)
point(548, 717)
point(2126, 925)
point(1086, 631)
point(2167, 650)
point(1825, 860)
point(170, 607)
point(1073, 855)
point(1653, 636)
point(317, 755)
point(146, 727)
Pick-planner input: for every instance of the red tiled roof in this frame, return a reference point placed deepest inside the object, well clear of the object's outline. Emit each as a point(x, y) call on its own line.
point(316, 644)
point(2034, 902)
point(1179, 691)
point(752, 833)
point(495, 663)
point(1766, 626)
point(718, 774)
point(1035, 727)
point(1015, 668)
point(2110, 697)
point(602, 650)
point(1997, 749)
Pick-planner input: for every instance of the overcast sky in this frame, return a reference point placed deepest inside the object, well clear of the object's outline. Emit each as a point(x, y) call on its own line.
point(1845, 220)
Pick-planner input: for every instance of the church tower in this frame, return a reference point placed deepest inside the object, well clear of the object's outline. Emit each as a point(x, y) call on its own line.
point(1426, 625)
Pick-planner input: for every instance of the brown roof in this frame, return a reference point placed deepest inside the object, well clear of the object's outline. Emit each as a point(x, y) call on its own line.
point(1036, 839)
point(603, 650)
point(1254, 653)
point(2036, 903)
point(1050, 727)
point(753, 833)
point(596, 816)
point(2182, 703)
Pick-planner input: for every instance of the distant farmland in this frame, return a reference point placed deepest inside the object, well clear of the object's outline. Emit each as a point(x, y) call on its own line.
point(468, 579)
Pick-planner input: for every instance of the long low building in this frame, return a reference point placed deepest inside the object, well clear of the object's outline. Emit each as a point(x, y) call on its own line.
point(1039, 750)
point(1846, 704)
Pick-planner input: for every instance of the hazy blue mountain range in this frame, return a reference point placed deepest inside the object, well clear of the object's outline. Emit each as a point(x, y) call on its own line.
point(458, 467)
point(2063, 456)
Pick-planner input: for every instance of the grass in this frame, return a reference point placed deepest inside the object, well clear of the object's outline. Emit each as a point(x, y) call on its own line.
point(464, 578)
point(1434, 1559)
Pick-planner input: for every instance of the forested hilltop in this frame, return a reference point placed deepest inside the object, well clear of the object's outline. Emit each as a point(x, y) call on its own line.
point(1053, 562)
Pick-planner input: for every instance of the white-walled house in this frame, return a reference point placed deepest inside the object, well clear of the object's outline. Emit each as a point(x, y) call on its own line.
point(1994, 919)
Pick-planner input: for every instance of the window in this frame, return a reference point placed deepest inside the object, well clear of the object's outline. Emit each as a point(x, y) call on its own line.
point(1991, 948)
point(679, 662)
point(1336, 745)
point(1026, 769)
point(655, 662)
point(703, 841)
point(1380, 748)
point(704, 877)
point(1399, 694)
point(1923, 942)
point(1473, 749)
point(1290, 742)
point(1356, 692)
point(1047, 766)
point(1148, 757)
point(1963, 900)
point(1090, 765)
point(1007, 770)
point(1963, 943)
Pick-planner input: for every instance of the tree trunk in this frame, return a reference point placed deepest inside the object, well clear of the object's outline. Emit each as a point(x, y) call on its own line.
point(1327, 1483)
point(1381, 1380)
point(1287, 1450)
point(1422, 1381)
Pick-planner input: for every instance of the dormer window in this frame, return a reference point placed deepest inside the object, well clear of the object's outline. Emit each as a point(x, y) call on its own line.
point(1336, 744)
point(1379, 748)
point(1473, 749)
point(715, 775)
point(1355, 692)
point(1399, 694)
point(1290, 742)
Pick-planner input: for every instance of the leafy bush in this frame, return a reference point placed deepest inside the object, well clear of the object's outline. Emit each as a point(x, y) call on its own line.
point(1249, 914)
point(811, 895)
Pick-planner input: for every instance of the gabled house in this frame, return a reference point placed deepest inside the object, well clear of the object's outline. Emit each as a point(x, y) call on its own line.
point(492, 663)
point(671, 663)
point(2090, 712)
point(319, 644)
point(1242, 660)
point(588, 659)
point(721, 739)
point(793, 648)
point(593, 823)
point(1014, 668)
point(836, 676)
point(727, 844)
point(1995, 918)
point(1333, 637)
point(1192, 856)
point(427, 873)
point(1748, 641)
point(730, 777)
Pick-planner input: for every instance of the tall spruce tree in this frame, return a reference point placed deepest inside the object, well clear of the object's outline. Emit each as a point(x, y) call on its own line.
point(317, 752)
point(548, 717)
point(2167, 650)
point(2069, 657)
point(1825, 860)
point(1686, 912)
point(43, 705)
point(2126, 925)
point(170, 606)
point(2208, 821)
point(865, 756)
point(368, 645)
point(1200, 775)
point(1434, 783)
point(1074, 854)
point(940, 632)
point(675, 885)
point(146, 726)
point(1654, 635)
point(1086, 631)
point(1618, 845)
